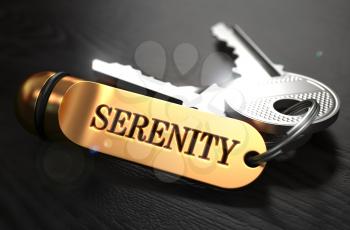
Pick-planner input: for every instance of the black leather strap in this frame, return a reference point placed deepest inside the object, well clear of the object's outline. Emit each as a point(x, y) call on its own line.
point(42, 100)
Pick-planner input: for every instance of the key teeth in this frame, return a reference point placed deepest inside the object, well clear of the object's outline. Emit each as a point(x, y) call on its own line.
point(127, 72)
point(215, 30)
point(133, 70)
point(220, 37)
point(140, 73)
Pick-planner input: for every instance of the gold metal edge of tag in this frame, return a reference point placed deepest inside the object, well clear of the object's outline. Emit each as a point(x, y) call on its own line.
point(159, 134)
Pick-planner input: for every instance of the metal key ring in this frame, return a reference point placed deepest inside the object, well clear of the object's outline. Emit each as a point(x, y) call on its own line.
point(313, 110)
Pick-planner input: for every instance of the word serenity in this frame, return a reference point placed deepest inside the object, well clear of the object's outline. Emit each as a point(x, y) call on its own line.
point(161, 133)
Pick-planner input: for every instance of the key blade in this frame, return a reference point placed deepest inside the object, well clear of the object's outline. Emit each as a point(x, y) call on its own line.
point(187, 94)
point(251, 61)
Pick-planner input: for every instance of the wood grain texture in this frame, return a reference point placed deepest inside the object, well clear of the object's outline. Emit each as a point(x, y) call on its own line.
point(60, 186)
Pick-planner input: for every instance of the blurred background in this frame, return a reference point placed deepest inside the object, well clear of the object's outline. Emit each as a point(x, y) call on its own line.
point(54, 185)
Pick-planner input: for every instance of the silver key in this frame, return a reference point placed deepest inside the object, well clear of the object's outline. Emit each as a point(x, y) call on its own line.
point(186, 94)
point(264, 88)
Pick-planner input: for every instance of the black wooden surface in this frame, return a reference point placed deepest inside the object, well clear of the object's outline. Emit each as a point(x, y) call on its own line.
point(59, 186)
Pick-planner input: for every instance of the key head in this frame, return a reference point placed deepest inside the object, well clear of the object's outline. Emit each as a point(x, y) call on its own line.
point(261, 102)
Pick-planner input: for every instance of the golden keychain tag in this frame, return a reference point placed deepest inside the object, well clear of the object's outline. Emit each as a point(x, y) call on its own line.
point(145, 130)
